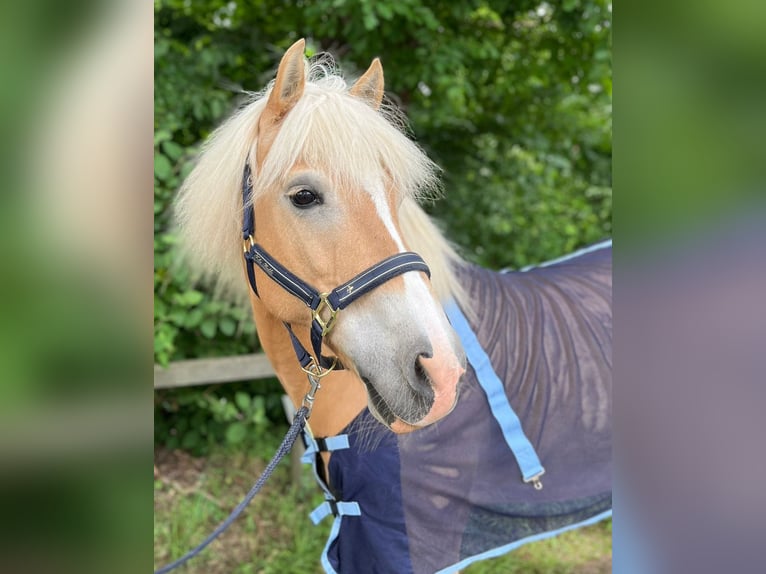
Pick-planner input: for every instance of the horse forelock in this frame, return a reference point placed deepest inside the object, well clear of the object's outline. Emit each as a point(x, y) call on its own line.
point(342, 136)
point(328, 130)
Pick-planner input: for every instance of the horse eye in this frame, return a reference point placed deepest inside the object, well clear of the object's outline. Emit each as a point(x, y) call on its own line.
point(304, 198)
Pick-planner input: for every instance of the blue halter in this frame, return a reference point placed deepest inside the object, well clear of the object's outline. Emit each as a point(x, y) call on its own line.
point(324, 306)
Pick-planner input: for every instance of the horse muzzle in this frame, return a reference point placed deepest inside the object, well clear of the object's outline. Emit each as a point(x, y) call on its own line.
point(411, 382)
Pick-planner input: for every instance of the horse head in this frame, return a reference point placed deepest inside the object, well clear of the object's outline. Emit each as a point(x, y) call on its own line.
point(330, 177)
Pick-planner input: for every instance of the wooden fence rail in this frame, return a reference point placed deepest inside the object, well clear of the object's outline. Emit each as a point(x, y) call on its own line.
point(191, 372)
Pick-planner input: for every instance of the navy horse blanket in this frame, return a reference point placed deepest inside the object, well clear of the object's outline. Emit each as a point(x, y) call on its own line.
point(526, 453)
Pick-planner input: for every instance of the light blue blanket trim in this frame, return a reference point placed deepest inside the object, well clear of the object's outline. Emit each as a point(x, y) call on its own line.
point(509, 422)
point(338, 442)
point(583, 251)
point(325, 559)
point(500, 550)
point(324, 510)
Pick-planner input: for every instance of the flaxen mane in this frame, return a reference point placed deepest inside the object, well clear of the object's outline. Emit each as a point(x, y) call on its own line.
point(324, 130)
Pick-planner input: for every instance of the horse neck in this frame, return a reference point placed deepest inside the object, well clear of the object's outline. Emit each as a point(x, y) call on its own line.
point(341, 397)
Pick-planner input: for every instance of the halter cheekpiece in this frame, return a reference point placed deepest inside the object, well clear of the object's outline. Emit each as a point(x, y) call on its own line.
point(324, 307)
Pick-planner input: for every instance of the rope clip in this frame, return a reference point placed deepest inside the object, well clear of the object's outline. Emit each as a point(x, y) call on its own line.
point(308, 399)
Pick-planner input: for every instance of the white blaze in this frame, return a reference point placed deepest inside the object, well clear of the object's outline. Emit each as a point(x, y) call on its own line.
point(420, 302)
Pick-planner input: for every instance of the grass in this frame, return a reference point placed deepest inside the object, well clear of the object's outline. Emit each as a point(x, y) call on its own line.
point(274, 535)
point(584, 551)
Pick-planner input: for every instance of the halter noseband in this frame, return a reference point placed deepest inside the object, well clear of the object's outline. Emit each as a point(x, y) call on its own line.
point(324, 306)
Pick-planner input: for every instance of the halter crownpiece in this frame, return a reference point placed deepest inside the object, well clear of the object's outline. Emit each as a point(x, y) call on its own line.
point(324, 307)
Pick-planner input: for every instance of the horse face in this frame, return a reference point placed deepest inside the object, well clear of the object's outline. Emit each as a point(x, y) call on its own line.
point(397, 338)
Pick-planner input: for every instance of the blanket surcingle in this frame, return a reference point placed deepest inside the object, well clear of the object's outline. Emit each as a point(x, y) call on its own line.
point(536, 395)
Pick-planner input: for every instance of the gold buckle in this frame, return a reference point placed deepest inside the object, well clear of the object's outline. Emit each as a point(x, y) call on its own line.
point(317, 314)
point(245, 242)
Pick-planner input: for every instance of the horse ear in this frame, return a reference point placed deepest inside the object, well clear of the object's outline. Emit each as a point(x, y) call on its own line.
point(370, 86)
point(289, 85)
point(288, 89)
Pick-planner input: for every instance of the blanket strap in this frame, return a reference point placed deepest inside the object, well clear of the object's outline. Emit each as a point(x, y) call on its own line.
point(332, 443)
point(335, 508)
point(526, 457)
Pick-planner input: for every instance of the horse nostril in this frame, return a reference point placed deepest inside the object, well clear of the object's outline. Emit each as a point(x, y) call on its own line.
point(422, 379)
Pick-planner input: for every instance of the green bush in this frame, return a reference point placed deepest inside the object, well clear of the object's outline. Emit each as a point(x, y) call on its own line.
point(513, 100)
point(237, 414)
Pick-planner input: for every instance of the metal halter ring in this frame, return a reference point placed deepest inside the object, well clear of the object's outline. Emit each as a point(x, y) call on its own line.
point(247, 244)
point(317, 314)
point(317, 372)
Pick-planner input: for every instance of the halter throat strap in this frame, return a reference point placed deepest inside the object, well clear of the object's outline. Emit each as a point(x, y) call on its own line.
point(324, 307)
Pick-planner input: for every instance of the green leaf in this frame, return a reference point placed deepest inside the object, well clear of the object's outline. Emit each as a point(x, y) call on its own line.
point(236, 433)
point(384, 10)
point(227, 326)
point(172, 150)
point(370, 20)
point(208, 328)
point(189, 298)
point(193, 318)
point(162, 167)
point(569, 5)
point(178, 317)
point(161, 136)
point(243, 401)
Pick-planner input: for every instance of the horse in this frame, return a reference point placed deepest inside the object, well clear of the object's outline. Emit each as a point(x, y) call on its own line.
point(449, 394)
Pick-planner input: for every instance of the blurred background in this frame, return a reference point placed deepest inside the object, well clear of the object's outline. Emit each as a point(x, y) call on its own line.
point(512, 100)
point(75, 306)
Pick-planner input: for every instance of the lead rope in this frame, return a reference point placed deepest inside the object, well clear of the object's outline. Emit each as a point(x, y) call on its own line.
point(299, 422)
